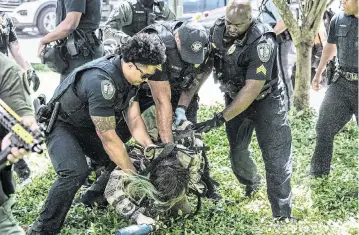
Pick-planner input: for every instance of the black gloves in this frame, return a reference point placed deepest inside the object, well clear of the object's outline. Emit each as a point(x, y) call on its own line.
point(33, 78)
point(208, 125)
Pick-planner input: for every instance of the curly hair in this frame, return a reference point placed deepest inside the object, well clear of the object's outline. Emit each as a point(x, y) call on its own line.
point(143, 48)
point(170, 178)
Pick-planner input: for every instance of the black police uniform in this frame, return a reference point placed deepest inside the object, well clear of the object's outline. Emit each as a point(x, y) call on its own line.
point(180, 74)
point(254, 57)
point(98, 88)
point(341, 99)
point(89, 23)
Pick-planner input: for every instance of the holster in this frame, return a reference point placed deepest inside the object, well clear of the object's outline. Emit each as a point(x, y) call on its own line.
point(283, 37)
point(331, 71)
point(230, 89)
point(54, 56)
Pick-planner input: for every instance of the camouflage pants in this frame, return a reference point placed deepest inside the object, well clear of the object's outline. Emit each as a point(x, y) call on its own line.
point(8, 224)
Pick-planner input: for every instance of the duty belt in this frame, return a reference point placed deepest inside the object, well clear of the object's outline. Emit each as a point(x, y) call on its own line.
point(347, 75)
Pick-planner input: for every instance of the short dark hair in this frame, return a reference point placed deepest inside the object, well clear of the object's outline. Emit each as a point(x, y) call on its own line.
point(144, 48)
point(170, 178)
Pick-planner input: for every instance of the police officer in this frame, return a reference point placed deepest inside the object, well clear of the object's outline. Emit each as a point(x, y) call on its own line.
point(245, 52)
point(341, 99)
point(9, 42)
point(270, 15)
point(177, 81)
point(131, 16)
point(77, 24)
point(90, 100)
point(14, 91)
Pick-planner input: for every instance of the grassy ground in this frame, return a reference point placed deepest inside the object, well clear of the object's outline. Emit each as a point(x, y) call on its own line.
point(323, 206)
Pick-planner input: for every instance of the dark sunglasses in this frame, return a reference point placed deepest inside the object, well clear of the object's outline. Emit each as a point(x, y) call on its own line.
point(144, 76)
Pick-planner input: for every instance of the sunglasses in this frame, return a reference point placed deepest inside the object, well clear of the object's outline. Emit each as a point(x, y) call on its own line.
point(144, 76)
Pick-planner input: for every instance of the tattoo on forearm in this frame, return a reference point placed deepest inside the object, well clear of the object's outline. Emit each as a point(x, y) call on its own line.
point(103, 124)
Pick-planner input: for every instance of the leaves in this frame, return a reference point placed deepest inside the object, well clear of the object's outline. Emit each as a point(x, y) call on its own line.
point(323, 206)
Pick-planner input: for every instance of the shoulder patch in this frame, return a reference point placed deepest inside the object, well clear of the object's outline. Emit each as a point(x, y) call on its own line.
point(261, 69)
point(264, 51)
point(108, 89)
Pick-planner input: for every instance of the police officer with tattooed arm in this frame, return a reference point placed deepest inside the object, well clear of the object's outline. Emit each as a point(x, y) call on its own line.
point(341, 99)
point(245, 52)
point(14, 91)
point(91, 99)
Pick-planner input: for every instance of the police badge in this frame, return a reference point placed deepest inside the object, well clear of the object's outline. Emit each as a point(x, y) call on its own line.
point(264, 51)
point(107, 89)
point(231, 49)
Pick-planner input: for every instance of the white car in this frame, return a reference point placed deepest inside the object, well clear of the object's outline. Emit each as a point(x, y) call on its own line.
point(40, 13)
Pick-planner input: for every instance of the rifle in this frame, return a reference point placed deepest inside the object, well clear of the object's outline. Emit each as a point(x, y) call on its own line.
point(22, 136)
point(141, 229)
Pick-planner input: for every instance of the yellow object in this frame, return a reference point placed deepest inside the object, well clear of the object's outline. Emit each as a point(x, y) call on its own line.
point(9, 110)
point(24, 134)
point(261, 69)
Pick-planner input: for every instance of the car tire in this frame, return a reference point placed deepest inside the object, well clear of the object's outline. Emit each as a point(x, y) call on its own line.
point(46, 20)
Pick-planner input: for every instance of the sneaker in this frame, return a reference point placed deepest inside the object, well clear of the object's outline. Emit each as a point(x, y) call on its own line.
point(284, 219)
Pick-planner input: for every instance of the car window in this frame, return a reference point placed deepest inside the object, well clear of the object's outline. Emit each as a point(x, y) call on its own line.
point(194, 6)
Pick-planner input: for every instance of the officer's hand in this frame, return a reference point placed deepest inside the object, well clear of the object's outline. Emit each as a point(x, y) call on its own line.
point(316, 81)
point(40, 49)
point(33, 79)
point(142, 219)
point(16, 154)
point(180, 115)
point(208, 125)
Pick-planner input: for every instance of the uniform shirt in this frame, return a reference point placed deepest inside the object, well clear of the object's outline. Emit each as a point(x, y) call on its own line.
point(270, 14)
point(90, 9)
point(258, 60)
point(99, 93)
point(7, 32)
point(345, 36)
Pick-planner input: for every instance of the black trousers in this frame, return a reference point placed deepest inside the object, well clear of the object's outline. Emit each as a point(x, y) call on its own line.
point(67, 147)
point(339, 104)
point(269, 119)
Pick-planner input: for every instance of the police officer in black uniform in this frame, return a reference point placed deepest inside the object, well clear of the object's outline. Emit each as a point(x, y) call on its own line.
point(91, 99)
point(341, 99)
point(245, 52)
point(77, 23)
point(131, 16)
point(186, 70)
point(9, 42)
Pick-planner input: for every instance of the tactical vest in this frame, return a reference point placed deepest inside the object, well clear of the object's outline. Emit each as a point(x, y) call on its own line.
point(226, 67)
point(4, 34)
point(142, 16)
point(74, 110)
point(347, 42)
point(177, 69)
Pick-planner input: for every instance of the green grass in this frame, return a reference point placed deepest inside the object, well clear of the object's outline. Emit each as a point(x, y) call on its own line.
point(323, 206)
point(40, 68)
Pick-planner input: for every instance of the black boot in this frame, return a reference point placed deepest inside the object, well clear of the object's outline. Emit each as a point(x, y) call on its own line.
point(22, 170)
point(253, 188)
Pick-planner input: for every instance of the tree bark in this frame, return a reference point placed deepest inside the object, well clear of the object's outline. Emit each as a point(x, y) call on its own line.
point(302, 75)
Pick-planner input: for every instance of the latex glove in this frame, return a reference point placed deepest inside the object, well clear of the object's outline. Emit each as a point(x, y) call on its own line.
point(142, 219)
point(180, 115)
point(208, 125)
point(33, 79)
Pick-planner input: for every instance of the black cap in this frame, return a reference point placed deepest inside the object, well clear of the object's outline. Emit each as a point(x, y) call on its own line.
point(193, 37)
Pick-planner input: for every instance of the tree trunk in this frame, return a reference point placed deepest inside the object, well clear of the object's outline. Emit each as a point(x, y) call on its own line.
point(302, 77)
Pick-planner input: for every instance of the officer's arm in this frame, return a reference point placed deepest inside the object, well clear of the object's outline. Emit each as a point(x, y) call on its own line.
point(161, 93)
point(137, 126)
point(18, 56)
point(64, 29)
point(279, 27)
point(105, 128)
point(187, 95)
point(119, 17)
point(244, 98)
